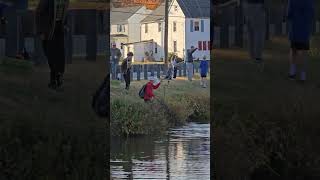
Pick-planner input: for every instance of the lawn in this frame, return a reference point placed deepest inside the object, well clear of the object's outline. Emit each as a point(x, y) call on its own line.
point(46, 134)
point(264, 123)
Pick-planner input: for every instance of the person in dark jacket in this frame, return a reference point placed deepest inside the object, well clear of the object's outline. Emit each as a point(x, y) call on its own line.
point(300, 16)
point(115, 57)
point(126, 69)
point(51, 22)
point(189, 62)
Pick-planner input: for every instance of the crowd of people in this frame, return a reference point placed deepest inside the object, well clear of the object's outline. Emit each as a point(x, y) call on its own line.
point(300, 16)
point(154, 83)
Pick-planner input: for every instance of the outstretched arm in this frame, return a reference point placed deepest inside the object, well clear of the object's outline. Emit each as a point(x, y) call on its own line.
point(156, 86)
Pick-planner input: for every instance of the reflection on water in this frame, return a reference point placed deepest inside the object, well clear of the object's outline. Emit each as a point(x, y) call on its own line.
point(183, 154)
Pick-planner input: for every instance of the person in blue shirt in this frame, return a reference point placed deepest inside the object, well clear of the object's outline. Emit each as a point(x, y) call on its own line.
point(203, 72)
point(300, 16)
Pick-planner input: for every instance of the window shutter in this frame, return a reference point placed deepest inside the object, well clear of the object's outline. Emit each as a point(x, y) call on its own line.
point(202, 25)
point(209, 45)
point(200, 45)
point(191, 25)
point(204, 45)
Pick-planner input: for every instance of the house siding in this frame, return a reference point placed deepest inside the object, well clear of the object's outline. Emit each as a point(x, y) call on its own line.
point(193, 38)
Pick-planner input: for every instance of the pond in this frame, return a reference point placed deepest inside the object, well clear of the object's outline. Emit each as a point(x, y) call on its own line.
point(182, 154)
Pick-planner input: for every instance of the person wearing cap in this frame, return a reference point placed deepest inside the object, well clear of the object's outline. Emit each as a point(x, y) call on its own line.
point(126, 69)
point(115, 57)
point(189, 62)
point(153, 83)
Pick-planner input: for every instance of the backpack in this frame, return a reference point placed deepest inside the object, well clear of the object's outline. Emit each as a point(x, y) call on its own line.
point(100, 99)
point(142, 91)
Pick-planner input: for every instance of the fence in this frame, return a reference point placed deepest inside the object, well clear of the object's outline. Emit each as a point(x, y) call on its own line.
point(79, 45)
point(144, 71)
point(2, 47)
point(225, 37)
point(86, 35)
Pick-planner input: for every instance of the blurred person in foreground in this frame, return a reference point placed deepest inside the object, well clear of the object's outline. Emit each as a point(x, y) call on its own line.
point(300, 16)
point(51, 22)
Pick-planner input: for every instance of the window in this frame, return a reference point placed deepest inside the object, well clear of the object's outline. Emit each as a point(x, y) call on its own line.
point(200, 45)
point(121, 28)
point(209, 45)
point(159, 27)
point(175, 46)
point(145, 28)
point(204, 45)
point(196, 26)
point(155, 47)
point(174, 26)
point(175, 8)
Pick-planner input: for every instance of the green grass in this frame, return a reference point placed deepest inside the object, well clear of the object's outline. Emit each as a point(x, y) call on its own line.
point(50, 135)
point(181, 100)
point(265, 123)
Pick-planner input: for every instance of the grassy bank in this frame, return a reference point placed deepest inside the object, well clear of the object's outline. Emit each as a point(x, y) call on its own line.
point(46, 134)
point(265, 125)
point(180, 100)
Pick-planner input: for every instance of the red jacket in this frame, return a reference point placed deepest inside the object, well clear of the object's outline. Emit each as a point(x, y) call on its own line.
point(148, 95)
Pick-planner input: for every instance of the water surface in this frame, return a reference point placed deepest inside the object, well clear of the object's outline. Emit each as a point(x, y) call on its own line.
point(183, 154)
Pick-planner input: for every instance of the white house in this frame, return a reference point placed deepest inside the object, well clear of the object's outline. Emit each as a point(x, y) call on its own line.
point(189, 25)
point(125, 26)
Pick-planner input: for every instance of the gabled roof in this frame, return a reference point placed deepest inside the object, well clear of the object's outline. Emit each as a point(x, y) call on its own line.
point(156, 15)
point(121, 15)
point(195, 8)
point(190, 8)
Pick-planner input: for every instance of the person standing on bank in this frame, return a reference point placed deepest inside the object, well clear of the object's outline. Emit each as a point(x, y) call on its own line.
point(189, 62)
point(51, 22)
point(256, 23)
point(115, 57)
point(203, 72)
point(300, 17)
point(126, 69)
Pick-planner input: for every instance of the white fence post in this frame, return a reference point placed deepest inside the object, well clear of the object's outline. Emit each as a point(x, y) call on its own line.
point(272, 30)
point(232, 36)
point(2, 47)
point(284, 28)
point(79, 45)
point(216, 41)
point(29, 44)
point(245, 36)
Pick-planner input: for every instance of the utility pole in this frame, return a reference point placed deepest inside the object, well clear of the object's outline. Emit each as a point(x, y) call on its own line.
point(166, 30)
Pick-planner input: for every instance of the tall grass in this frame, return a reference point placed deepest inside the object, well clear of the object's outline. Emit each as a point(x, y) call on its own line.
point(177, 103)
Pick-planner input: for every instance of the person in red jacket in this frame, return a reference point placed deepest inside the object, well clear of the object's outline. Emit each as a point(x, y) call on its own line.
point(150, 86)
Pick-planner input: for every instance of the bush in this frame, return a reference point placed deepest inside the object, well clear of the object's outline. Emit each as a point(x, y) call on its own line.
point(130, 116)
